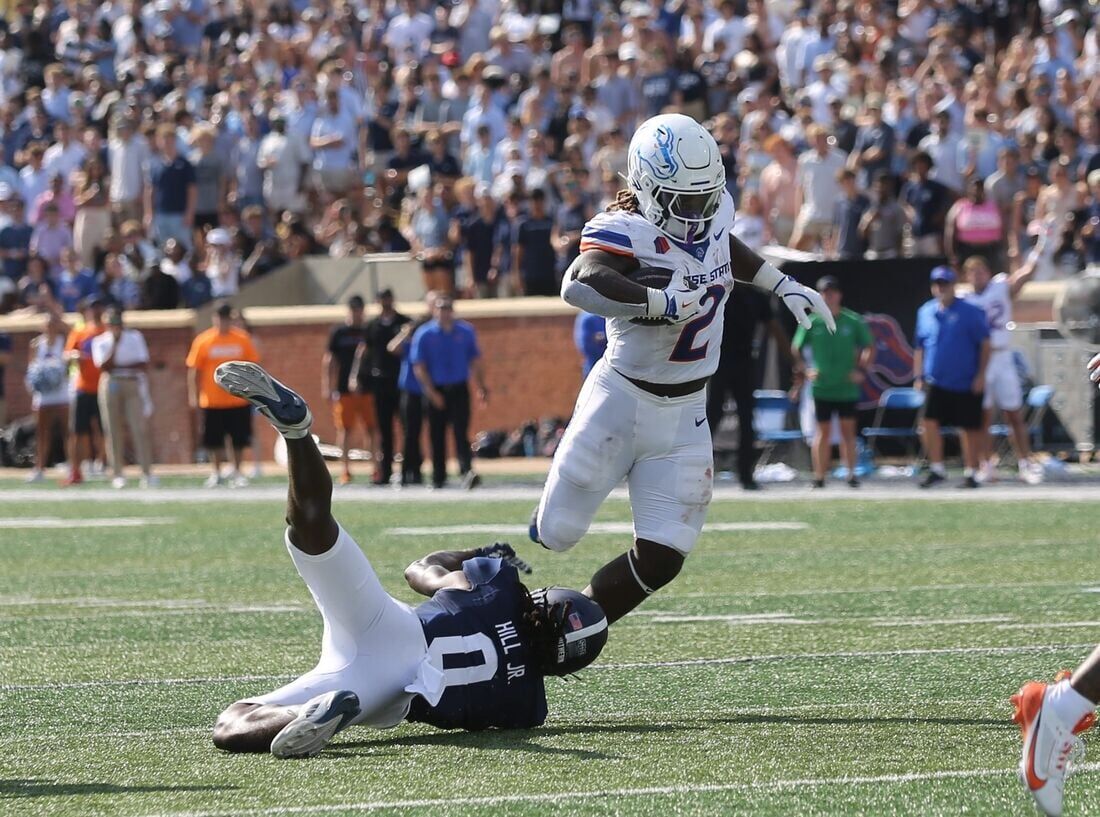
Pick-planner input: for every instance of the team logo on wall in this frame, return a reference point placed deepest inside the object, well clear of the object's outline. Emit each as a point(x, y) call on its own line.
point(893, 363)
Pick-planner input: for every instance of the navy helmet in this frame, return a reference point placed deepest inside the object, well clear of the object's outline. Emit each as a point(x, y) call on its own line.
point(578, 626)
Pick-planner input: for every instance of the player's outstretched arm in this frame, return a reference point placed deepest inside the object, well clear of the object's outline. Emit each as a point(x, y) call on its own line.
point(596, 282)
point(801, 300)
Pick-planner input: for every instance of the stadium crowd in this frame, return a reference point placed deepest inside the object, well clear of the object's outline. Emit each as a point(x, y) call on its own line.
point(161, 153)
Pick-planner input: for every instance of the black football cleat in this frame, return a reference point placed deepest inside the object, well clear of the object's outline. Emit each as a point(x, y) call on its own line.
point(286, 410)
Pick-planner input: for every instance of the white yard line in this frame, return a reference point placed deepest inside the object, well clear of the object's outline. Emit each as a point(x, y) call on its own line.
point(508, 529)
point(1049, 625)
point(56, 522)
point(836, 591)
point(753, 619)
point(646, 791)
point(687, 662)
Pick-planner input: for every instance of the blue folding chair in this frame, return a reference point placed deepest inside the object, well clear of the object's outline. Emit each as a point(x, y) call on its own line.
point(772, 421)
point(897, 400)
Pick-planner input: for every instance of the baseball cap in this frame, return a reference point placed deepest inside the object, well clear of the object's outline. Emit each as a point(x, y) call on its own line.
point(385, 293)
point(943, 274)
point(218, 237)
point(828, 282)
point(356, 302)
point(224, 310)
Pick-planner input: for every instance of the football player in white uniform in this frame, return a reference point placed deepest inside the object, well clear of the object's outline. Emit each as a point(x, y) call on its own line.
point(1052, 716)
point(1003, 390)
point(642, 411)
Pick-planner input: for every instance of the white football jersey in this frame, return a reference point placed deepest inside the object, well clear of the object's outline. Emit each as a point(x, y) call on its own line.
point(682, 352)
point(996, 300)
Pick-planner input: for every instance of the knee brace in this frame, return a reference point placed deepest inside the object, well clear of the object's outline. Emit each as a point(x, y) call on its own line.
point(653, 565)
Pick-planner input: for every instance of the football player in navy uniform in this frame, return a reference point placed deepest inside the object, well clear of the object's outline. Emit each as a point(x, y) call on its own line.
point(472, 657)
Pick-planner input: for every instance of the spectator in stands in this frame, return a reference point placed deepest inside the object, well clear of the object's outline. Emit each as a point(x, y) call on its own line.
point(873, 152)
point(351, 408)
point(445, 357)
point(48, 384)
point(223, 263)
point(284, 162)
point(590, 338)
point(160, 290)
point(533, 259)
point(818, 190)
point(85, 425)
point(377, 370)
point(1090, 230)
point(942, 146)
point(779, 190)
point(121, 289)
point(847, 240)
point(839, 364)
point(129, 155)
point(481, 248)
point(1005, 182)
point(333, 140)
point(223, 415)
point(35, 178)
point(56, 193)
point(93, 218)
point(170, 191)
point(125, 401)
point(247, 182)
point(74, 282)
point(51, 236)
point(951, 352)
point(883, 223)
point(974, 226)
point(926, 203)
point(15, 237)
point(212, 176)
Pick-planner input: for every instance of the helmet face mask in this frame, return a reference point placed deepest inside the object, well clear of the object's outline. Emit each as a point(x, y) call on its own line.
point(675, 171)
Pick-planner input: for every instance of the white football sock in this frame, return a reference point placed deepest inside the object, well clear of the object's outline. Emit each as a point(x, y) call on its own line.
point(937, 468)
point(1069, 704)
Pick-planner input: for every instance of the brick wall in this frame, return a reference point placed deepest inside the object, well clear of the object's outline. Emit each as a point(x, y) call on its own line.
point(531, 365)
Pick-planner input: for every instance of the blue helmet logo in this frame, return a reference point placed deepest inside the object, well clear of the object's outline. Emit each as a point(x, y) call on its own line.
point(661, 163)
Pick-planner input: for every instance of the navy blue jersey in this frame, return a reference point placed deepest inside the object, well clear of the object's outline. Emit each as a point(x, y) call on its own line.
point(476, 638)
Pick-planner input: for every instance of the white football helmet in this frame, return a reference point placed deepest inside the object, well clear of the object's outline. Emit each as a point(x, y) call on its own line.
point(676, 172)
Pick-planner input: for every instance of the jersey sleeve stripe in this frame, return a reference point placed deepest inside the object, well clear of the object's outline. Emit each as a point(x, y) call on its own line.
point(586, 244)
point(608, 236)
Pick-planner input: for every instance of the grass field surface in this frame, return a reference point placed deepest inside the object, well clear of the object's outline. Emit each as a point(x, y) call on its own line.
point(856, 659)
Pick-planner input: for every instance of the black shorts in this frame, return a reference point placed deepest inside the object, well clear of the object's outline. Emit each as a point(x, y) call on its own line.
point(825, 409)
point(85, 409)
point(961, 409)
point(234, 423)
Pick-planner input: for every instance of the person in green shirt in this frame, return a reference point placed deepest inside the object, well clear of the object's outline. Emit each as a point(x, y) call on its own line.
point(836, 369)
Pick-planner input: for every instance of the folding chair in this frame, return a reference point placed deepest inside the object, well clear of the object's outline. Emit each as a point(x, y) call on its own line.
point(772, 421)
point(907, 400)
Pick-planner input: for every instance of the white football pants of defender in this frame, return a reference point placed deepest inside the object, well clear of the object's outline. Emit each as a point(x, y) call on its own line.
point(660, 444)
point(1003, 389)
point(372, 644)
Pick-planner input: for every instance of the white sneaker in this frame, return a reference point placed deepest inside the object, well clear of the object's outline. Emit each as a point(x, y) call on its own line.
point(987, 473)
point(318, 720)
point(1031, 472)
point(239, 480)
point(256, 471)
point(150, 481)
point(1049, 746)
point(35, 476)
point(214, 481)
point(118, 482)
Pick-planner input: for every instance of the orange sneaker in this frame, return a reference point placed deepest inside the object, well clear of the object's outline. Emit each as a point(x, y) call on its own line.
point(75, 478)
point(345, 478)
point(1049, 745)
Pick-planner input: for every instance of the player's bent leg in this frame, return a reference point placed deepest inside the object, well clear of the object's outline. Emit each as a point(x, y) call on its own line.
point(595, 454)
point(626, 581)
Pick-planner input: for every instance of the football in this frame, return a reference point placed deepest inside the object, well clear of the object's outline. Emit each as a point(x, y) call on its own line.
point(657, 278)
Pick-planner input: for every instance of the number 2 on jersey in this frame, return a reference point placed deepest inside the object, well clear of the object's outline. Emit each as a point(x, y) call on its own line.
point(685, 350)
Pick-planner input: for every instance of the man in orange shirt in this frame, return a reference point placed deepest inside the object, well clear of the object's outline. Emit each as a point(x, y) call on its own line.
point(85, 425)
point(223, 415)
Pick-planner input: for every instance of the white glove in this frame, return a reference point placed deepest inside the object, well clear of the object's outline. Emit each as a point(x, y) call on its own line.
point(675, 305)
point(1094, 369)
point(802, 301)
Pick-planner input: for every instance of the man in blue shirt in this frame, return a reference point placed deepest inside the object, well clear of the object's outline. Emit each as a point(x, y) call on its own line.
point(444, 355)
point(170, 194)
point(15, 239)
point(951, 354)
point(474, 656)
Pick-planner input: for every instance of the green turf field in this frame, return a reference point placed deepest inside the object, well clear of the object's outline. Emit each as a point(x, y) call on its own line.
point(859, 666)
